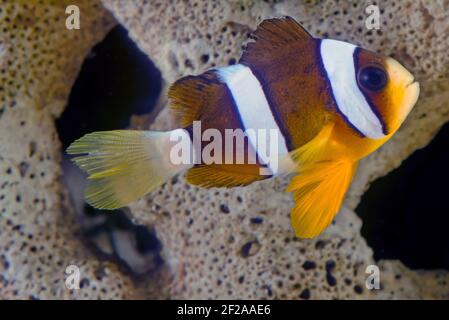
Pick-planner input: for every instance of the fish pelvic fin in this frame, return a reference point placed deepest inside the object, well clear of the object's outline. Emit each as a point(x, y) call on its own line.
point(123, 165)
point(318, 191)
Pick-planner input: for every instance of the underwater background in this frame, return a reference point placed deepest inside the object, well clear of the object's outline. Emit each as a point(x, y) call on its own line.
point(182, 241)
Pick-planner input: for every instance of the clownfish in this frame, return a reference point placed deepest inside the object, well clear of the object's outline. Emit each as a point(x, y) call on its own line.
point(331, 102)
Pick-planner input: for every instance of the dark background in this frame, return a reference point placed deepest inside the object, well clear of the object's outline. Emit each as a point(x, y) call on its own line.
point(116, 81)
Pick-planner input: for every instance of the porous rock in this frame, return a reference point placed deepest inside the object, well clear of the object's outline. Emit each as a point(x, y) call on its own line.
point(238, 243)
point(39, 236)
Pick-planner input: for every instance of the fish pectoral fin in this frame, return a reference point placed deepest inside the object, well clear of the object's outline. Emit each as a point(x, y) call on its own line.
point(318, 192)
point(313, 150)
point(223, 175)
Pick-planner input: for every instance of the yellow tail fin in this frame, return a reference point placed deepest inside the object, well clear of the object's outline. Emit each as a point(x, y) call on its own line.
point(123, 165)
point(319, 191)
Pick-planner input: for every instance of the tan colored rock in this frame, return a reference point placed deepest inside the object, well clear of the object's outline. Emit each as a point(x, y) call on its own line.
point(212, 247)
point(39, 236)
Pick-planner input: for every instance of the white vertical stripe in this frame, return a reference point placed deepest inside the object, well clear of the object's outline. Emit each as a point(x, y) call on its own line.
point(337, 57)
point(253, 108)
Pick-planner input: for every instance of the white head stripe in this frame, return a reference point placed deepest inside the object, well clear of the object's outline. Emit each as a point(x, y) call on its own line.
point(337, 57)
point(252, 105)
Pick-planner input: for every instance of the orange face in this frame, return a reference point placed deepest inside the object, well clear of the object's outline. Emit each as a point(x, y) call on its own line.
point(373, 95)
point(387, 86)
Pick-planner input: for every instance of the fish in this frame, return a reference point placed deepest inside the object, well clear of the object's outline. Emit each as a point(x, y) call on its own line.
point(330, 102)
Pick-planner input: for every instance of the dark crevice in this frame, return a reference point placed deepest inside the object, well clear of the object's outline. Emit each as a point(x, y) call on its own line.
point(406, 213)
point(112, 234)
point(116, 81)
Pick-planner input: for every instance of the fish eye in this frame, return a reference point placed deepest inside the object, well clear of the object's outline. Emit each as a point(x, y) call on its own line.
point(372, 78)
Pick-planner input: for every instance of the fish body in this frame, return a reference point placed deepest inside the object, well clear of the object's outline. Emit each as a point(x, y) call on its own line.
point(331, 103)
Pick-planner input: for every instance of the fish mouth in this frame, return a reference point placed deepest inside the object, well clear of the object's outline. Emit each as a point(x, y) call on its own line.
point(413, 87)
point(412, 82)
point(412, 90)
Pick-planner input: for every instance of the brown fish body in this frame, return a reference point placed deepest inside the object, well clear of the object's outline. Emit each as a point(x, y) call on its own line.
point(329, 102)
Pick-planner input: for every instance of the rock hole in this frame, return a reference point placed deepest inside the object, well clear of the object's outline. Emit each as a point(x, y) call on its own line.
point(113, 234)
point(250, 248)
point(116, 81)
point(406, 213)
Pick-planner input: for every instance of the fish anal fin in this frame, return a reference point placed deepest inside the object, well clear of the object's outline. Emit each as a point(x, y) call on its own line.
point(190, 96)
point(271, 34)
point(318, 191)
point(224, 175)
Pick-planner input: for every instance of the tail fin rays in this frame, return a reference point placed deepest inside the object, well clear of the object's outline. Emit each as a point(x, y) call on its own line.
point(123, 165)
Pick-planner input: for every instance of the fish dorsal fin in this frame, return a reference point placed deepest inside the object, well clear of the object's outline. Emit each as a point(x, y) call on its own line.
point(276, 33)
point(189, 96)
